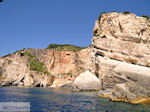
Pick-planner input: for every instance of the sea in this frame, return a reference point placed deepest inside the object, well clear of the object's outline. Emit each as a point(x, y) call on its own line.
point(64, 100)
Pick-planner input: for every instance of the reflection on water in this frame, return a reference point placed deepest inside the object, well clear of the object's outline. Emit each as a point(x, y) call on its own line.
point(49, 100)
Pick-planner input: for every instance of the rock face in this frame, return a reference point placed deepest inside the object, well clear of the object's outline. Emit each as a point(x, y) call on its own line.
point(86, 81)
point(63, 62)
point(121, 54)
point(123, 37)
point(60, 67)
point(15, 72)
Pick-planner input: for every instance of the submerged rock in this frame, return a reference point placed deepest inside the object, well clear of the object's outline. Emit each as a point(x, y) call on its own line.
point(105, 93)
point(86, 81)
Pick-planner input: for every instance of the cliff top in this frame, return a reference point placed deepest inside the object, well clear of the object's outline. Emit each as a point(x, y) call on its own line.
point(124, 26)
point(64, 47)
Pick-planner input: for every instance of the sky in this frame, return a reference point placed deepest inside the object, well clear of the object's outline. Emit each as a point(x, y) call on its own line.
point(37, 23)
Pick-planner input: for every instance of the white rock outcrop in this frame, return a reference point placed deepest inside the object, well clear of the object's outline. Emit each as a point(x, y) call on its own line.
point(86, 81)
point(121, 44)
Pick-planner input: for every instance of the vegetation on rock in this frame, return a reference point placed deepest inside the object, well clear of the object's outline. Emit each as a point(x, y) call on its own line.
point(126, 12)
point(101, 15)
point(95, 32)
point(35, 64)
point(145, 16)
point(6, 55)
point(69, 74)
point(64, 47)
point(38, 66)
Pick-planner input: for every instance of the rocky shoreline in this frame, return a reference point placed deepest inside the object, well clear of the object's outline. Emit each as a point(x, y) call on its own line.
point(116, 63)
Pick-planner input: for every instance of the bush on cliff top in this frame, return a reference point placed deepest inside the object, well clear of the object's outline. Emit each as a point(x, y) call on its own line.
point(145, 16)
point(100, 15)
point(127, 12)
point(64, 47)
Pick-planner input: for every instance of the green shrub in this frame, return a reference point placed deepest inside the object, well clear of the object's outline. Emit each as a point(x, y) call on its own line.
point(19, 51)
point(38, 66)
point(126, 13)
point(69, 74)
point(64, 47)
point(145, 16)
point(6, 55)
point(100, 15)
point(95, 32)
point(34, 63)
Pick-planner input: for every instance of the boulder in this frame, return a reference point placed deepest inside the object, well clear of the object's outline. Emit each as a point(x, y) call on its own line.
point(62, 82)
point(86, 81)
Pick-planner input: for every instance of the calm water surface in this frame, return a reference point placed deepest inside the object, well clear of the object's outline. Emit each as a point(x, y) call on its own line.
point(64, 100)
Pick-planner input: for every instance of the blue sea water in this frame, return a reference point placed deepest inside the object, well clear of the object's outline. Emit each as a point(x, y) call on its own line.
point(64, 100)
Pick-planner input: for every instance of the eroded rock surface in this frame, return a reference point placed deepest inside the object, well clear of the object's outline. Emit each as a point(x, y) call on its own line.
point(42, 67)
point(121, 54)
point(14, 71)
point(86, 81)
